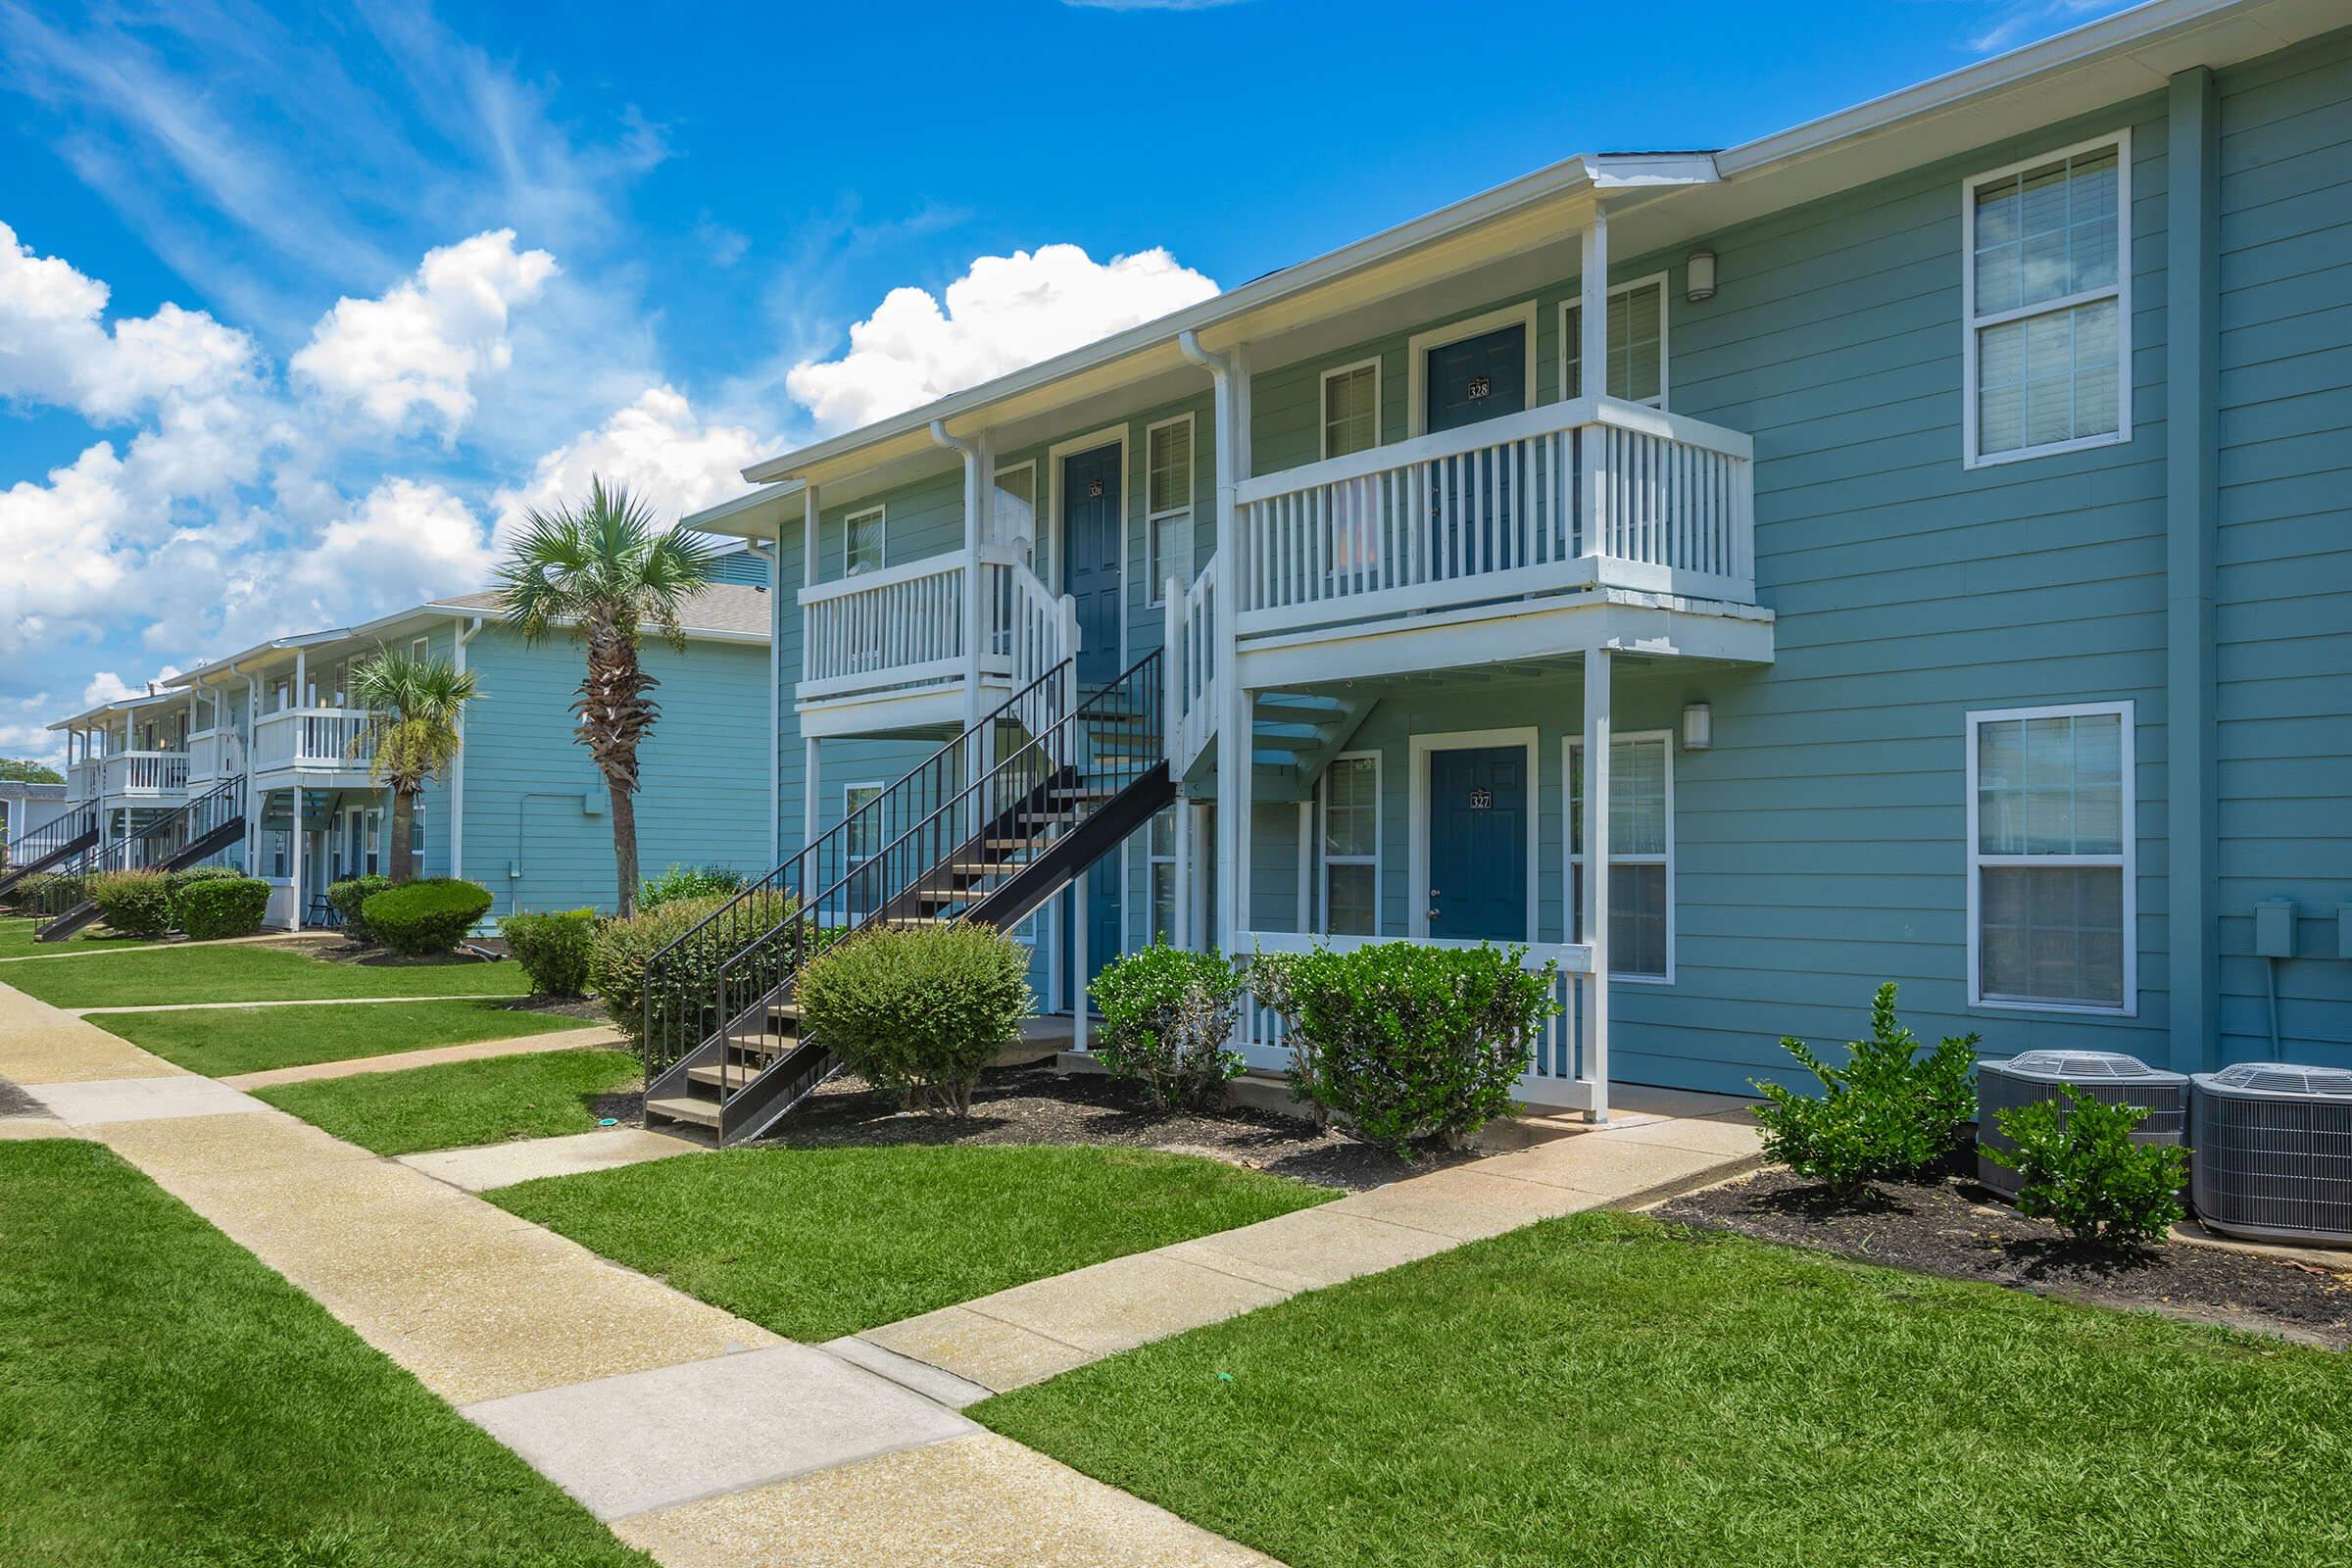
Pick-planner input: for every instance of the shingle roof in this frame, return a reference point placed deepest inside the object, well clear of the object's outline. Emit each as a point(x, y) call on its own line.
point(728, 609)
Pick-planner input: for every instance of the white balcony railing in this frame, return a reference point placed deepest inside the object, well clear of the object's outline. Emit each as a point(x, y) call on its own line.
point(313, 740)
point(1192, 666)
point(1569, 495)
point(1562, 1073)
point(146, 773)
point(84, 778)
point(903, 626)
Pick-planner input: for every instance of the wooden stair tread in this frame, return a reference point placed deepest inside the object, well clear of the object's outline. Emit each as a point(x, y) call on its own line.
point(701, 1112)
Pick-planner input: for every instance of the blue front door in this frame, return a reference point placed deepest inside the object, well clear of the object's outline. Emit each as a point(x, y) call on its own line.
point(1090, 515)
point(1478, 844)
point(1482, 377)
point(1470, 522)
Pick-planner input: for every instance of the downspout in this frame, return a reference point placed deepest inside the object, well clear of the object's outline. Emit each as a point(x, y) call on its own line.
point(465, 632)
point(1230, 384)
point(977, 483)
point(776, 693)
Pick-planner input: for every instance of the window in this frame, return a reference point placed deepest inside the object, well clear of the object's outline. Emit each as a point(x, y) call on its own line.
point(416, 839)
point(1161, 854)
point(421, 650)
point(1351, 846)
point(1168, 512)
point(2049, 831)
point(862, 836)
point(372, 843)
point(861, 542)
point(2047, 285)
point(1351, 408)
point(1636, 343)
point(1641, 853)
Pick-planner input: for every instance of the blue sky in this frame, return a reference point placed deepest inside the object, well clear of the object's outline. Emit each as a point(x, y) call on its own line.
point(299, 306)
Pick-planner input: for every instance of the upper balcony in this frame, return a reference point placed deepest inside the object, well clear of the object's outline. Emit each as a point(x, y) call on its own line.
point(887, 652)
point(215, 755)
point(321, 748)
point(130, 778)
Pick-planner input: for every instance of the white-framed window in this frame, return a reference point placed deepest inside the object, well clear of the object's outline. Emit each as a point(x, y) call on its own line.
point(371, 841)
point(1168, 503)
point(1160, 857)
point(861, 839)
point(417, 840)
point(1350, 409)
point(1636, 343)
point(861, 542)
point(1641, 853)
point(2051, 895)
point(421, 648)
point(2046, 290)
point(1351, 791)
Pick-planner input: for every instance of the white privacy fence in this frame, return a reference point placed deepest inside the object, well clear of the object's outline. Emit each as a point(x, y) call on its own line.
point(1569, 494)
point(1561, 1074)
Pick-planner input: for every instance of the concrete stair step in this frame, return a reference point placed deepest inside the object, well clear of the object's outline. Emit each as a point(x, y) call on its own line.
point(700, 1112)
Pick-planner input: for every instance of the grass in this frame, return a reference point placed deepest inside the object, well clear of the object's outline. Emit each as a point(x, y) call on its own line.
point(171, 1404)
point(223, 1040)
point(208, 973)
point(15, 940)
point(817, 1243)
point(460, 1103)
point(1604, 1390)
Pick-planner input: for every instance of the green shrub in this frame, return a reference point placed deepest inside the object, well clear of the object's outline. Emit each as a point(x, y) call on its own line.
point(180, 881)
point(552, 949)
point(2078, 1167)
point(1167, 1022)
point(1888, 1112)
point(133, 904)
point(686, 1004)
point(682, 882)
point(222, 907)
point(349, 899)
point(918, 1011)
point(1405, 1044)
point(48, 892)
point(420, 918)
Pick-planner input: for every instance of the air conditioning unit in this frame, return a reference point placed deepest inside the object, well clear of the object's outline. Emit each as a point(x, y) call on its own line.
point(2272, 1151)
point(2105, 1075)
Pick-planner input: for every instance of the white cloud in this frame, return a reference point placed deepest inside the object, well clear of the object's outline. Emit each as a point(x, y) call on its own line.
point(1004, 313)
point(657, 446)
point(411, 357)
point(2015, 21)
point(53, 348)
point(402, 544)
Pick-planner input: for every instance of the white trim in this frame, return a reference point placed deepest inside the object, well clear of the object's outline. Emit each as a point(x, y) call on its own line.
point(1155, 589)
point(849, 526)
point(1972, 325)
point(1660, 281)
point(1057, 456)
point(1418, 749)
point(1324, 861)
point(1323, 403)
point(1570, 906)
point(2124, 861)
point(1417, 349)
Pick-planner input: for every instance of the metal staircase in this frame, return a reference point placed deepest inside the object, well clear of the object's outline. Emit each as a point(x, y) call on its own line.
point(997, 821)
point(181, 837)
point(50, 844)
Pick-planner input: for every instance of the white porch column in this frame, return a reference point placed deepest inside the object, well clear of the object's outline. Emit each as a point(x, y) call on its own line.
point(294, 859)
point(1081, 1002)
point(1596, 878)
point(979, 486)
point(1306, 867)
point(809, 792)
point(1593, 306)
point(1186, 875)
point(1229, 374)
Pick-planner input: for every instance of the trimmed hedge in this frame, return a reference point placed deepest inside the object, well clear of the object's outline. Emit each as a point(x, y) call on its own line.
point(418, 919)
point(1889, 1112)
point(133, 904)
point(552, 949)
point(180, 881)
point(918, 1013)
point(682, 882)
point(349, 899)
point(222, 907)
point(688, 1005)
point(1167, 1020)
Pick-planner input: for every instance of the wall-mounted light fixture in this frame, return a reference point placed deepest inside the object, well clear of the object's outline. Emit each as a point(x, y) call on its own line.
point(1698, 281)
point(1698, 726)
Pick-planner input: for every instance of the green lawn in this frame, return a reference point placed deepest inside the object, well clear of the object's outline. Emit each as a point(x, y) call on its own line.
point(172, 1403)
point(223, 1040)
point(461, 1102)
point(211, 973)
point(817, 1243)
point(15, 940)
point(1603, 1389)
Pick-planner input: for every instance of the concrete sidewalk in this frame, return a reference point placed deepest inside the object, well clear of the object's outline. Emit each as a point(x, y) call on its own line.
point(593, 1037)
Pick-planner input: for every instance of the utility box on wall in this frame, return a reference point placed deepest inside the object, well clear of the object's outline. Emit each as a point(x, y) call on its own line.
point(2275, 929)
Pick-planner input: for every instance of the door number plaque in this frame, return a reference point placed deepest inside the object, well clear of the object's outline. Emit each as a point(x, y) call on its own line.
point(1479, 387)
point(1482, 799)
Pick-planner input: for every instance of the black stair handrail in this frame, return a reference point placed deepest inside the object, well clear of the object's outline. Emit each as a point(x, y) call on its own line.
point(1017, 799)
point(687, 965)
point(20, 858)
point(159, 841)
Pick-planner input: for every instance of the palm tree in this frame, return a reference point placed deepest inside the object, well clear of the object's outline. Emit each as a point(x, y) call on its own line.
point(607, 570)
point(415, 705)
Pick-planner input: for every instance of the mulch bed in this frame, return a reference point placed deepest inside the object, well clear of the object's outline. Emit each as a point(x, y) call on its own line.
point(1955, 1228)
point(338, 948)
point(1034, 1105)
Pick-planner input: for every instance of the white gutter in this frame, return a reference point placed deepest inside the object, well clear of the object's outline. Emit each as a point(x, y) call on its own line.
point(464, 633)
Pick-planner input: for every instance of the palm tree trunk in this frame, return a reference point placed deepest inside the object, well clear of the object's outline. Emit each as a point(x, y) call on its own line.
point(614, 714)
point(404, 835)
point(624, 848)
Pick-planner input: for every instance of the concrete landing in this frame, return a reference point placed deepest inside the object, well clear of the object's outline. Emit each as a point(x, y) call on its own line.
point(96, 1103)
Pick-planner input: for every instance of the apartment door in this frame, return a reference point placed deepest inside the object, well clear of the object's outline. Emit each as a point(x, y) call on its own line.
point(1478, 844)
point(1090, 517)
point(1466, 383)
